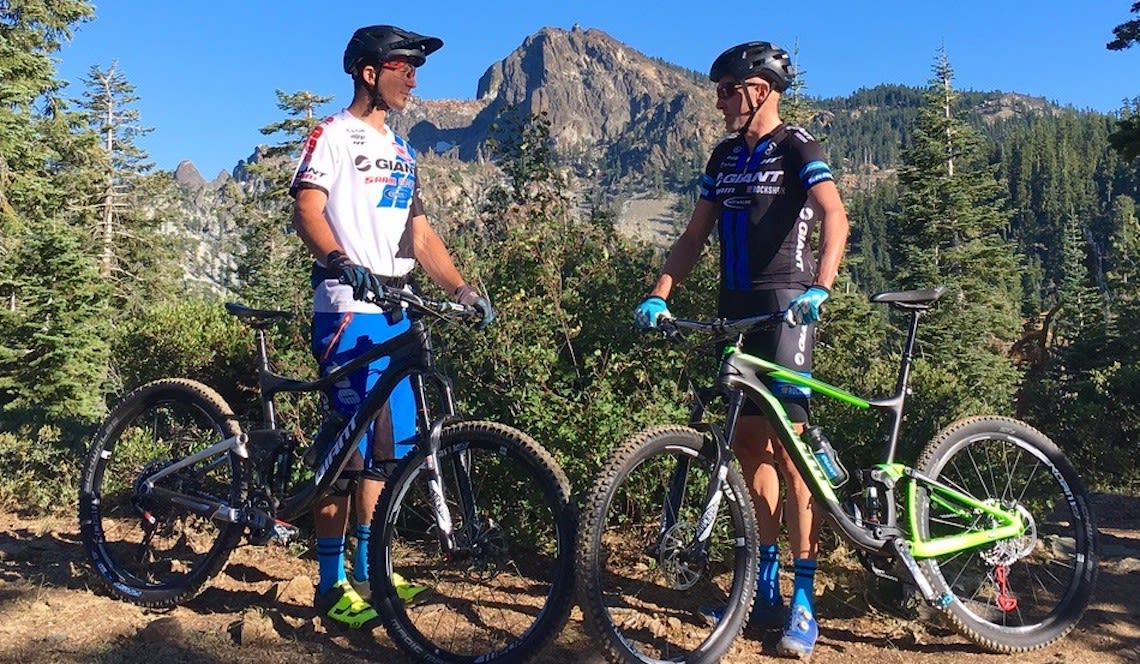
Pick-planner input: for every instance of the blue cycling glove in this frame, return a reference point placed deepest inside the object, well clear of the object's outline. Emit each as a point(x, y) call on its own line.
point(358, 277)
point(646, 314)
point(804, 309)
point(468, 296)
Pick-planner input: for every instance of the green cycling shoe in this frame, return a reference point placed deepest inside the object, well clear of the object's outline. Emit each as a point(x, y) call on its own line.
point(344, 605)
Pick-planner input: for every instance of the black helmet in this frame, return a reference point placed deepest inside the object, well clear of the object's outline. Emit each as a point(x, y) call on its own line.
point(377, 43)
point(757, 58)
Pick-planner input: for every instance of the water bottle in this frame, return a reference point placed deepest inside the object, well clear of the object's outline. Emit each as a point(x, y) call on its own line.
point(825, 454)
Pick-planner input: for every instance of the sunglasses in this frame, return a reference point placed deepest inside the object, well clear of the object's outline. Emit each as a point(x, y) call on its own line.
point(727, 90)
point(400, 66)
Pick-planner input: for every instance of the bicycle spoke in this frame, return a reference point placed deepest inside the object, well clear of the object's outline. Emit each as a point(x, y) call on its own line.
point(497, 582)
point(1026, 590)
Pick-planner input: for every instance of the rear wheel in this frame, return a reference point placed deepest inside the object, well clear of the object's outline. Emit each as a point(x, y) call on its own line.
point(148, 551)
point(644, 587)
point(507, 590)
point(1023, 593)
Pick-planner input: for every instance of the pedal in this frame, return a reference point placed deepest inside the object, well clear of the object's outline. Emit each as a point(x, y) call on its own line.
point(282, 532)
point(276, 531)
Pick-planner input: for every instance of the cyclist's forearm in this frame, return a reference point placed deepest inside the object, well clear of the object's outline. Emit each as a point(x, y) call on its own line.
point(314, 231)
point(680, 262)
point(432, 255)
point(832, 245)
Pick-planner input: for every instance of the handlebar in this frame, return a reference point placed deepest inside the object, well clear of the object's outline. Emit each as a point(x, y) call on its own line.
point(423, 306)
point(720, 328)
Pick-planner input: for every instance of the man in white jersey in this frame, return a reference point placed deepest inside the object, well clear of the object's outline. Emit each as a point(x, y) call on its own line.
point(358, 210)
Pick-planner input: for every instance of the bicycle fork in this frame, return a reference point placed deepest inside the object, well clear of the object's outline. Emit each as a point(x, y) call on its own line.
point(696, 550)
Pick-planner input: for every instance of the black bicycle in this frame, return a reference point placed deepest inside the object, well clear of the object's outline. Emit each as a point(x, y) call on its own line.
point(992, 525)
point(479, 512)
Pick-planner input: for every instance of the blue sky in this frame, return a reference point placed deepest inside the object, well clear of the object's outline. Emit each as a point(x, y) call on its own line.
point(206, 70)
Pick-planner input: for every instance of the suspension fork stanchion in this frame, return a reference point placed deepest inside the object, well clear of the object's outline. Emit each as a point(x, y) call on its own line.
point(671, 509)
point(713, 492)
point(431, 432)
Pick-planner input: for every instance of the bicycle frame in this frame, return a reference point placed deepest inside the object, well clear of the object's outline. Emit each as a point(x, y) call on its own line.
point(741, 377)
point(410, 355)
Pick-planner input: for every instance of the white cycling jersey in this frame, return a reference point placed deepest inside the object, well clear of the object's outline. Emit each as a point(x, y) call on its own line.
point(370, 179)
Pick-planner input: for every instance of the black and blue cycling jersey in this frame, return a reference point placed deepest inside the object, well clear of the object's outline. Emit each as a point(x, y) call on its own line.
point(766, 218)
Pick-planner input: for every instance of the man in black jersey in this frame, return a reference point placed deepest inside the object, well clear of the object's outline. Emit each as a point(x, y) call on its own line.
point(766, 188)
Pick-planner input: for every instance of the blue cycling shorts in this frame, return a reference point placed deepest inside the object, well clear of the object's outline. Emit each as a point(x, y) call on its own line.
point(338, 338)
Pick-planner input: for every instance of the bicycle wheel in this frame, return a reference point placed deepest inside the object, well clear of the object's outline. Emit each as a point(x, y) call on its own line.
point(507, 590)
point(642, 587)
point(1024, 593)
point(148, 552)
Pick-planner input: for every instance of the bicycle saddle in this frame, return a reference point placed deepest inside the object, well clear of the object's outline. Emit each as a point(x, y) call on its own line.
point(910, 299)
point(257, 317)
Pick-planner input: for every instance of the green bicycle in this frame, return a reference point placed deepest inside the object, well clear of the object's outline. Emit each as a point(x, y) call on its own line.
point(992, 525)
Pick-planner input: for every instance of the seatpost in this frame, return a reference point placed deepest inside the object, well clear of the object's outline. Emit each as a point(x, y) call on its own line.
point(900, 388)
point(268, 412)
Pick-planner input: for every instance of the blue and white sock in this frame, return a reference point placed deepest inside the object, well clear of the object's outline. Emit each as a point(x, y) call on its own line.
point(330, 562)
point(768, 576)
point(804, 586)
point(360, 558)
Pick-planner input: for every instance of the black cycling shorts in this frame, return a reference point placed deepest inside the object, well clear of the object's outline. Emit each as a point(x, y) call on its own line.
point(787, 346)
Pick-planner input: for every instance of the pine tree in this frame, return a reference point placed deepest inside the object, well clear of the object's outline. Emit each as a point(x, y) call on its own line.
point(1127, 34)
point(1081, 304)
point(1126, 140)
point(52, 354)
point(54, 360)
point(30, 32)
point(108, 108)
point(950, 233)
point(273, 269)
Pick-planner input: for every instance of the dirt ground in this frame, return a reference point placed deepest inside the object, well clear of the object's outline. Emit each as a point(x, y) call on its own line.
point(257, 610)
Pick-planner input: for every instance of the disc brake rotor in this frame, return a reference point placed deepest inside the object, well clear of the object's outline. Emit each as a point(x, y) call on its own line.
point(1007, 552)
point(680, 572)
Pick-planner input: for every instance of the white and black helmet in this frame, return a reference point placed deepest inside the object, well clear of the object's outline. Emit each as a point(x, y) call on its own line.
point(756, 58)
point(374, 44)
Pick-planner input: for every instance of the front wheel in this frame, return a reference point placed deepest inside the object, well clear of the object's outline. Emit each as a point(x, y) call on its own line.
point(506, 589)
point(647, 583)
point(1023, 593)
point(154, 552)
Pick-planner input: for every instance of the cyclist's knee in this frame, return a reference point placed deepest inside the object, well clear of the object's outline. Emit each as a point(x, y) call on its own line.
point(754, 441)
point(345, 485)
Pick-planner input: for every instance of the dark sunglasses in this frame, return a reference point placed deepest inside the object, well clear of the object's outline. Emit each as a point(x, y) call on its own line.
point(727, 90)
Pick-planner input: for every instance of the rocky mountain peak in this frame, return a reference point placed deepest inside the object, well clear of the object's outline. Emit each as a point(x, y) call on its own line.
point(188, 177)
point(596, 92)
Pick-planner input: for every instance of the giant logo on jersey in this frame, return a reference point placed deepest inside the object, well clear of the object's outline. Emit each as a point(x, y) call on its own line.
point(365, 164)
point(749, 178)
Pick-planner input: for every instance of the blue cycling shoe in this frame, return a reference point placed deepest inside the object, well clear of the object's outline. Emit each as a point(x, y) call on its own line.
point(800, 634)
point(768, 616)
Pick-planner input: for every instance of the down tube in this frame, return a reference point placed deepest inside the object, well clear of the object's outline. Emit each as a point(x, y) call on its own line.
point(743, 371)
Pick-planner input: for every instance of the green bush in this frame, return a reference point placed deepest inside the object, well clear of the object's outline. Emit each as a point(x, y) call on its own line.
point(40, 465)
point(193, 338)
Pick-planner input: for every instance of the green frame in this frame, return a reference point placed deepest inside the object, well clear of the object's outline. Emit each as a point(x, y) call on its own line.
point(1008, 523)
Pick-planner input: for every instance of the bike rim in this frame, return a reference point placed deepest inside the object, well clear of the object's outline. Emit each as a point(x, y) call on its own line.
point(152, 546)
point(656, 597)
point(1023, 584)
point(493, 596)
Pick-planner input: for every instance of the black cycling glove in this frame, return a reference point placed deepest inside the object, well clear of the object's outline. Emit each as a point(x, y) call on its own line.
point(358, 277)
